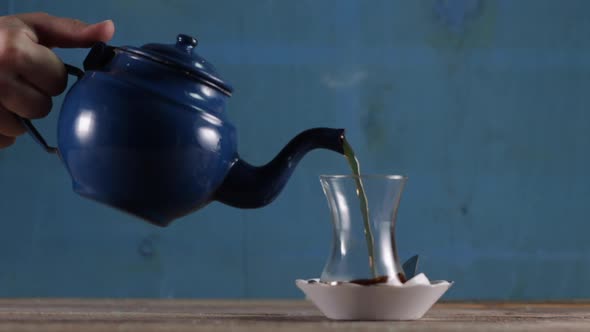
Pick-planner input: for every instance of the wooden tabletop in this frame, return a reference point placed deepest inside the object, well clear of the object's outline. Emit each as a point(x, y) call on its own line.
point(217, 315)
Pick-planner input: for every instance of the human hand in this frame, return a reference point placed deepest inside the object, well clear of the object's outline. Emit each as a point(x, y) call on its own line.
point(30, 73)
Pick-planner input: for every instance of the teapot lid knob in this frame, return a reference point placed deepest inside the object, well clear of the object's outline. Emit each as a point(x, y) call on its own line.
point(186, 42)
point(183, 56)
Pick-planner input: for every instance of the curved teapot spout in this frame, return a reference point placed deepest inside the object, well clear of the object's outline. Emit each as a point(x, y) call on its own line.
point(250, 187)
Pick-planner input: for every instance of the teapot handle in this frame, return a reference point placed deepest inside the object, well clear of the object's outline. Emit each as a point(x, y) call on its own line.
point(29, 125)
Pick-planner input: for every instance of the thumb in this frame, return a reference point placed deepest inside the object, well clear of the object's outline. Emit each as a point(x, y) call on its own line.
point(55, 31)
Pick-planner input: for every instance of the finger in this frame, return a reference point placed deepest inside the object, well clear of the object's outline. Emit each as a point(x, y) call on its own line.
point(55, 31)
point(6, 141)
point(14, 24)
point(10, 125)
point(23, 99)
point(44, 70)
point(37, 64)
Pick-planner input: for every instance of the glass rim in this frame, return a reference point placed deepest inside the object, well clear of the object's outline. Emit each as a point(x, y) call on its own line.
point(369, 175)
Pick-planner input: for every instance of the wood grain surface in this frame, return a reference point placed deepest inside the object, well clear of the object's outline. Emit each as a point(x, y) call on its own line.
point(271, 315)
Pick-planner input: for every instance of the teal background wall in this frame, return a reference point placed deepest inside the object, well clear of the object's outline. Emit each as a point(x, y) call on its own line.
point(483, 104)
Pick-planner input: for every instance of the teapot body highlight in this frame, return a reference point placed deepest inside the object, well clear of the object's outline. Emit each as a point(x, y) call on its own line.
point(155, 151)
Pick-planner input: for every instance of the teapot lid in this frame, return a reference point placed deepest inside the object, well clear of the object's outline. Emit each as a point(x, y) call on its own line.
point(182, 55)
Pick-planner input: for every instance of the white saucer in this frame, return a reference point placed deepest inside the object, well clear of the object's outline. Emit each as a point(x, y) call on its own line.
point(346, 301)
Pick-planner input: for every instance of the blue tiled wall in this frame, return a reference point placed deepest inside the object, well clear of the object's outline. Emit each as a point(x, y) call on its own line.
point(483, 104)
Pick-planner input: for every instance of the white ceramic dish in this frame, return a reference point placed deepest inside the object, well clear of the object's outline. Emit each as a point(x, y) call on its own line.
point(346, 301)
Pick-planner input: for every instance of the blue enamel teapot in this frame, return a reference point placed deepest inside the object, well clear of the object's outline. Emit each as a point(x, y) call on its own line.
point(144, 130)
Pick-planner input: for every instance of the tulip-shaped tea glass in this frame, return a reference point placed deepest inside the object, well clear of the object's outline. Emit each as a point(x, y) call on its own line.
point(363, 210)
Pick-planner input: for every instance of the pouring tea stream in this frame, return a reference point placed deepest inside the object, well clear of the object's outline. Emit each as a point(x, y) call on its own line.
point(144, 130)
